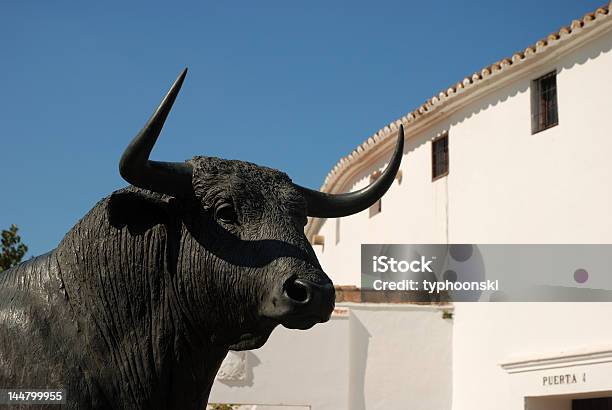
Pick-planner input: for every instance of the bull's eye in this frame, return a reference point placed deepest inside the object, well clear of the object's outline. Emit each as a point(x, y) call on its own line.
point(226, 213)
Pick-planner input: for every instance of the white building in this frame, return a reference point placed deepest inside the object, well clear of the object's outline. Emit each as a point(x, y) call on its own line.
point(516, 153)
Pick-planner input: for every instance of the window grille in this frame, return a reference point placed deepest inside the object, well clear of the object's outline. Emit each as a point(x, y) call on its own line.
point(544, 110)
point(439, 157)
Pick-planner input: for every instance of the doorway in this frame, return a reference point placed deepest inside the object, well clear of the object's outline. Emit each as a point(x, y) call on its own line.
point(580, 401)
point(599, 403)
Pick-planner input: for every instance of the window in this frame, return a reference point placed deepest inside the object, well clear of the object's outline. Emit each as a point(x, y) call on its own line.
point(439, 157)
point(544, 113)
point(377, 207)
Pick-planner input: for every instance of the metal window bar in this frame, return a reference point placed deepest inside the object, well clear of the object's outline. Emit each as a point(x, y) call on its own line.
point(544, 102)
point(440, 157)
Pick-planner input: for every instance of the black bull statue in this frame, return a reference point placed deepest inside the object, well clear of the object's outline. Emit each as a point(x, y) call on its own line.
point(142, 299)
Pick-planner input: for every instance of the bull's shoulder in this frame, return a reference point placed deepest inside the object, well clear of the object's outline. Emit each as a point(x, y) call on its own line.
point(30, 307)
point(42, 345)
point(31, 283)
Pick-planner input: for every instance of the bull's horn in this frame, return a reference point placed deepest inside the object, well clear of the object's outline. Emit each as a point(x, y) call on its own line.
point(172, 178)
point(323, 205)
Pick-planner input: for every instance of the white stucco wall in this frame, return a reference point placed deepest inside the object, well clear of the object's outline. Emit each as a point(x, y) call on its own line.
point(507, 186)
point(551, 187)
point(490, 334)
point(371, 357)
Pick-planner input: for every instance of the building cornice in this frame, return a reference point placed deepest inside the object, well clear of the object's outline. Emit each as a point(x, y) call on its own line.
point(559, 360)
point(471, 88)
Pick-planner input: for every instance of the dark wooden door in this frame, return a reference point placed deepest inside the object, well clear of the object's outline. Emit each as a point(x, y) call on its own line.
point(602, 403)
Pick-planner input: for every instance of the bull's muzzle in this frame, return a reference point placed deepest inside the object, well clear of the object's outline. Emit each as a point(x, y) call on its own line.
point(303, 303)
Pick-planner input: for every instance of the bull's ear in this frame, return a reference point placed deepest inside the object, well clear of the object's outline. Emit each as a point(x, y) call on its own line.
point(138, 211)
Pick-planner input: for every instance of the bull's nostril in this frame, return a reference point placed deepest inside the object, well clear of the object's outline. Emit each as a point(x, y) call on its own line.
point(297, 291)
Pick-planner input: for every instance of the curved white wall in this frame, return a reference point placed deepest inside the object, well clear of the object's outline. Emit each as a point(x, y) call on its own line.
point(487, 335)
point(508, 186)
point(505, 185)
point(372, 356)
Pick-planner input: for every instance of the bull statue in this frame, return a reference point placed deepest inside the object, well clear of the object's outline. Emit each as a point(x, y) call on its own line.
point(143, 298)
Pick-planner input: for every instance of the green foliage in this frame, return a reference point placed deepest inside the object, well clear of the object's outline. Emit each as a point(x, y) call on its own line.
point(12, 250)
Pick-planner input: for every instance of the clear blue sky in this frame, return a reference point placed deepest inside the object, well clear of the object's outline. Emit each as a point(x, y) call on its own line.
point(294, 85)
